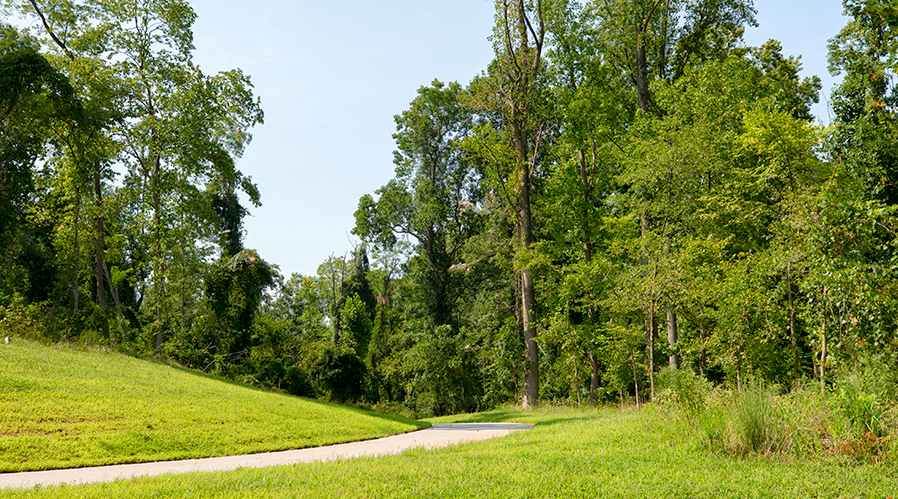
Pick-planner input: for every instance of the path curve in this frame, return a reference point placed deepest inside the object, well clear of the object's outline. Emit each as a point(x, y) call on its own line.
point(438, 435)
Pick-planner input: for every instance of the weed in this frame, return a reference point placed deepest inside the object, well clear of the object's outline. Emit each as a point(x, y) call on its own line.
point(713, 424)
point(687, 391)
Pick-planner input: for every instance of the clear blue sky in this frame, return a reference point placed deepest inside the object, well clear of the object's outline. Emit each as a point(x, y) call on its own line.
point(332, 75)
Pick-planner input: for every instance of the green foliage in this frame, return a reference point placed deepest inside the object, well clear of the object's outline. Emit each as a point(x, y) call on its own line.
point(622, 169)
point(852, 421)
point(341, 373)
point(355, 325)
point(234, 288)
point(34, 95)
point(688, 392)
point(297, 382)
point(433, 196)
point(440, 374)
point(864, 399)
point(230, 213)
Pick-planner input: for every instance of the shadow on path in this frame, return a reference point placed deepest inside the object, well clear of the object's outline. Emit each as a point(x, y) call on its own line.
point(481, 426)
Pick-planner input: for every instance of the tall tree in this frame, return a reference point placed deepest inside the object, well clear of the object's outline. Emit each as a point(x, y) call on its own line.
point(593, 111)
point(432, 196)
point(519, 38)
point(35, 98)
point(181, 129)
point(866, 102)
point(656, 40)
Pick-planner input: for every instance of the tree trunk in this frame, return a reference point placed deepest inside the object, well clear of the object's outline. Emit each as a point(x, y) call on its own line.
point(76, 271)
point(525, 238)
point(823, 349)
point(531, 354)
point(115, 298)
point(652, 326)
point(635, 377)
point(528, 301)
point(518, 336)
point(702, 355)
point(593, 379)
point(159, 268)
point(587, 259)
point(100, 257)
point(793, 333)
point(642, 75)
point(587, 195)
point(665, 37)
point(672, 337)
point(650, 321)
point(520, 77)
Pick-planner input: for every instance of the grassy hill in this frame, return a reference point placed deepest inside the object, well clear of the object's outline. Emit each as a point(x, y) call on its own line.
point(62, 408)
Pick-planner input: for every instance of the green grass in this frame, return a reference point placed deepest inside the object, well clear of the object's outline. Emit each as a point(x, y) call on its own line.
point(62, 408)
point(571, 453)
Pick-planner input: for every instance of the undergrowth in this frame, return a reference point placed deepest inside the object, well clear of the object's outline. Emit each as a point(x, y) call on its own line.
point(855, 419)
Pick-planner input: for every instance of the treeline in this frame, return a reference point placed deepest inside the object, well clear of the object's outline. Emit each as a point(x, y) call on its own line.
point(626, 186)
point(119, 215)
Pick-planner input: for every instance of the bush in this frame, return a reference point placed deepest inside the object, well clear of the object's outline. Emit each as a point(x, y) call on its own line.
point(271, 373)
point(341, 373)
point(296, 382)
point(863, 407)
point(441, 373)
point(863, 396)
point(36, 321)
point(685, 390)
point(853, 420)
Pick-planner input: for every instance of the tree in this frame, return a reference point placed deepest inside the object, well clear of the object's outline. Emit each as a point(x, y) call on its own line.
point(35, 97)
point(657, 40)
point(510, 92)
point(593, 111)
point(431, 197)
point(234, 289)
point(652, 40)
point(866, 102)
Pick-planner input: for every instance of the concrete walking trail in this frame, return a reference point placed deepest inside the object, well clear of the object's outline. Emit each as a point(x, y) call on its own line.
point(438, 435)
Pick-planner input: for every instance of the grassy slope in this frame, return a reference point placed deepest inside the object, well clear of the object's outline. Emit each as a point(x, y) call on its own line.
point(67, 408)
point(606, 453)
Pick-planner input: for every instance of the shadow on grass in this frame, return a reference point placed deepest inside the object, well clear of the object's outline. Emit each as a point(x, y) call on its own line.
point(497, 416)
point(548, 416)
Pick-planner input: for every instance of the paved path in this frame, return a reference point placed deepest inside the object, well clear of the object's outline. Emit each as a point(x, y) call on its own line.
point(439, 435)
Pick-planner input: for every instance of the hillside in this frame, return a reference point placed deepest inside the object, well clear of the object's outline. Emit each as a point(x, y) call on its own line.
point(70, 408)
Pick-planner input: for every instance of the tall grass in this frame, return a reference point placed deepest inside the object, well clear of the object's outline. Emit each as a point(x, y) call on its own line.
point(755, 426)
point(855, 420)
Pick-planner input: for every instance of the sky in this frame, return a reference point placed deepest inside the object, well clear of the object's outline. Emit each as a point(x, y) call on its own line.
point(331, 76)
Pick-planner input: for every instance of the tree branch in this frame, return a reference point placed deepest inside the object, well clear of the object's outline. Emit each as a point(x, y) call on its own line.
point(508, 45)
point(50, 31)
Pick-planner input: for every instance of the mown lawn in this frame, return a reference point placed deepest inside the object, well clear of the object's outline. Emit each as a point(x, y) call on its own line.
point(62, 407)
point(570, 453)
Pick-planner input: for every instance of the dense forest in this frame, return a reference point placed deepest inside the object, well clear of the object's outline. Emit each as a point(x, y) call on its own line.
point(627, 188)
